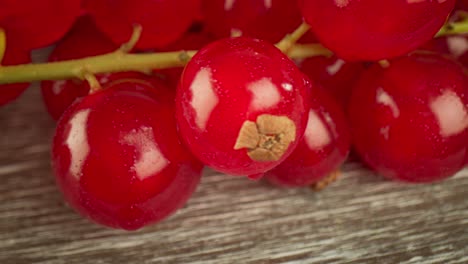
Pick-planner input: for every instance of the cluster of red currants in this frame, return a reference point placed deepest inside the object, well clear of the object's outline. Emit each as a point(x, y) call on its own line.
point(132, 153)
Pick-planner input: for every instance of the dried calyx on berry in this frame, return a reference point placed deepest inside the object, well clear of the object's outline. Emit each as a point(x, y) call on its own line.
point(268, 138)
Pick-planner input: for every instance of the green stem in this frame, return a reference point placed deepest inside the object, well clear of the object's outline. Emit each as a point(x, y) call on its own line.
point(120, 61)
point(93, 82)
point(303, 51)
point(136, 35)
point(454, 28)
point(291, 39)
point(117, 61)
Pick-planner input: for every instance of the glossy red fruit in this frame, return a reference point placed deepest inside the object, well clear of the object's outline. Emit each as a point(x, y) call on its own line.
point(410, 119)
point(13, 56)
point(163, 21)
point(269, 20)
point(59, 95)
point(241, 106)
point(324, 147)
point(374, 30)
point(334, 74)
point(35, 24)
point(117, 157)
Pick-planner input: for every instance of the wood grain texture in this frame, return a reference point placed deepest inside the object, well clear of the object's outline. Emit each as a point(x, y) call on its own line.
point(360, 219)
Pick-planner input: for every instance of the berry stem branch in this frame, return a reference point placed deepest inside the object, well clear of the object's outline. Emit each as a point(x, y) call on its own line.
point(117, 61)
point(290, 40)
point(303, 51)
point(288, 45)
point(93, 82)
point(128, 47)
point(454, 28)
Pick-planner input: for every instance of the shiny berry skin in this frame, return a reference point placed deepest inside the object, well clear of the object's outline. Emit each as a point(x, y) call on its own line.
point(410, 120)
point(241, 106)
point(117, 157)
point(323, 148)
point(374, 30)
point(268, 20)
point(59, 95)
point(334, 74)
point(13, 56)
point(163, 21)
point(38, 23)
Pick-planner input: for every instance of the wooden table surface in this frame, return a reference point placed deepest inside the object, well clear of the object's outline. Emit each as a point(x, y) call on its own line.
point(360, 219)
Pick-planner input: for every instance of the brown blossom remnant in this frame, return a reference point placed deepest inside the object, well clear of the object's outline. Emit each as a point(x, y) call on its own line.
point(268, 138)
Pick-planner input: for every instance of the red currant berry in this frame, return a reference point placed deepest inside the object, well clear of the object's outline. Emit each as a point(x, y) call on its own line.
point(241, 106)
point(59, 95)
point(163, 21)
point(410, 119)
point(334, 74)
point(323, 148)
point(374, 30)
point(269, 20)
point(117, 157)
point(13, 56)
point(35, 24)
